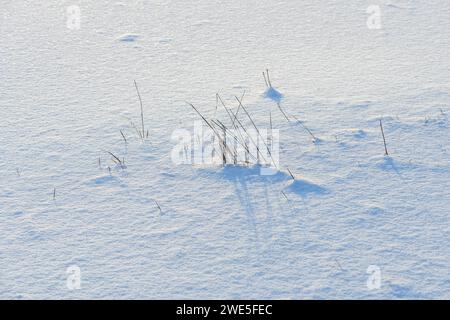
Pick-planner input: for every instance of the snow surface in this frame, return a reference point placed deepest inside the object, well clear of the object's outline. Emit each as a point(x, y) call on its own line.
point(224, 232)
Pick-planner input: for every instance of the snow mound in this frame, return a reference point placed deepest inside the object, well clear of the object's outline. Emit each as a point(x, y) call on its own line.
point(354, 133)
point(128, 37)
point(375, 211)
point(273, 94)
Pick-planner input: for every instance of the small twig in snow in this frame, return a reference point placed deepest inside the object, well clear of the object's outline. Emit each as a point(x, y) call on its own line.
point(386, 153)
point(160, 210)
point(123, 136)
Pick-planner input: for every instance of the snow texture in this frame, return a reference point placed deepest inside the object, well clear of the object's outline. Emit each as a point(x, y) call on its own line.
point(153, 229)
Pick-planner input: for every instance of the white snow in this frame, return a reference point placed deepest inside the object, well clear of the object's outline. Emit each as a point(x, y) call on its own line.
point(225, 232)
